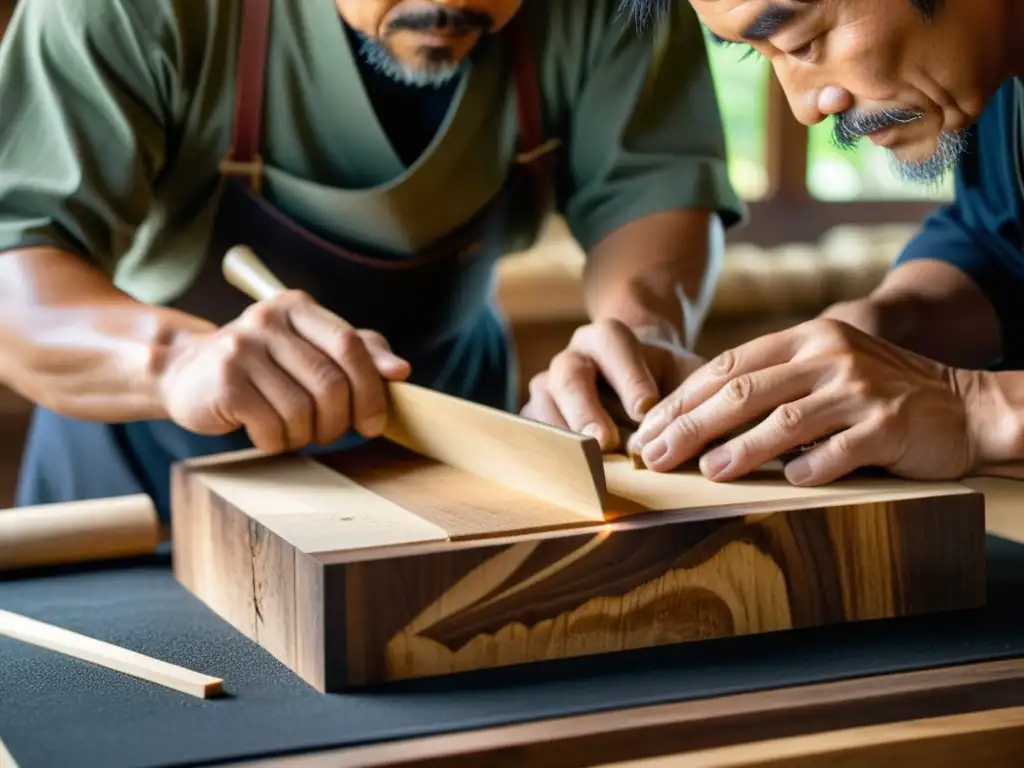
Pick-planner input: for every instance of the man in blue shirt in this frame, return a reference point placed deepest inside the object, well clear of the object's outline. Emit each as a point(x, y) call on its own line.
point(923, 377)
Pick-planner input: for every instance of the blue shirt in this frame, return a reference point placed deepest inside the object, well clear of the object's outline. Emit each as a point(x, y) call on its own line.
point(982, 231)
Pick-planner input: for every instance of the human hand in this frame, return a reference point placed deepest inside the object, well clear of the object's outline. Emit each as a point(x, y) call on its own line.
point(288, 371)
point(870, 403)
point(637, 369)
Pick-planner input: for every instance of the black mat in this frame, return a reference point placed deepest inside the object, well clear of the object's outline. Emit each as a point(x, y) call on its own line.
point(56, 711)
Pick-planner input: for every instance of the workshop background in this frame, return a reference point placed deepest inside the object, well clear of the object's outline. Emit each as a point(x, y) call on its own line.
point(825, 225)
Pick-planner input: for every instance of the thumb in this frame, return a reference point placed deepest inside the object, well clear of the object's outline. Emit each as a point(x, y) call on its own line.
point(390, 365)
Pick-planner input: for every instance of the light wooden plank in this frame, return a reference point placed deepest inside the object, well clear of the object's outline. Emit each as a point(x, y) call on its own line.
point(552, 464)
point(465, 506)
point(636, 490)
point(108, 655)
point(314, 508)
point(6, 758)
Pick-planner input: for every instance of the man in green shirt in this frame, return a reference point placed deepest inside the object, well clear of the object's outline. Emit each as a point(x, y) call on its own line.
point(379, 156)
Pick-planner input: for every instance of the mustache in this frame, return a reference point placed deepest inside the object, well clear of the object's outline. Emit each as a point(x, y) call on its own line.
point(457, 21)
point(852, 125)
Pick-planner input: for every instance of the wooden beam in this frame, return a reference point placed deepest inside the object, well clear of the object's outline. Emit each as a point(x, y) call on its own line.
point(993, 738)
point(670, 729)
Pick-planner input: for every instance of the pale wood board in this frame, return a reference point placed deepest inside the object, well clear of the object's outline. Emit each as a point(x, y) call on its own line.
point(6, 759)
point(552, 464)
point(466, 506)
point(633, 490)
point(108, 655)
point(316, 509)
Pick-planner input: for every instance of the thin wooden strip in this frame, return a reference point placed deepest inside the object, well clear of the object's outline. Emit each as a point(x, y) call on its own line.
point(6, 758)
point(108, 655)
point(314, 508)
point(78, 531)
point(990, 738)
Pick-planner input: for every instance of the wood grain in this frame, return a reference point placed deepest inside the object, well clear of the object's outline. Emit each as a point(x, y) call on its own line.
point(681, 728)
point(105, 654)
point(682, 564)
point(994, 738)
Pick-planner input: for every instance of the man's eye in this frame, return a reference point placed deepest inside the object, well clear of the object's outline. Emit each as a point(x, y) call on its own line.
point(804, 52)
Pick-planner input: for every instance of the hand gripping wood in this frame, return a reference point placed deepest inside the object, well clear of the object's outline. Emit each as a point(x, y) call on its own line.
point(553, 464)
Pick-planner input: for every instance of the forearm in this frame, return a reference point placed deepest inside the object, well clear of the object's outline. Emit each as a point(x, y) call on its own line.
point(657, 274)
point(72, 342)
point(931, 308)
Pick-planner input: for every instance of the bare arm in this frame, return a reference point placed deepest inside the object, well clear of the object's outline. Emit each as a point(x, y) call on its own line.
point(932, 308)
point(72, 342)
point(657, 274)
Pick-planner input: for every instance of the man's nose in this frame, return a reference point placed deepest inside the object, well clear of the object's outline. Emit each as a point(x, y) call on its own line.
point(813, 105)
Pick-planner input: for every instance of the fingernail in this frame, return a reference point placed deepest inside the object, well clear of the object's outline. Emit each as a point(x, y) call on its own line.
point(643, 405)
point(397, 361)
point(798, 470)
point(375, 425)
point(591, 430)
point(654, 451)
point(716, 462)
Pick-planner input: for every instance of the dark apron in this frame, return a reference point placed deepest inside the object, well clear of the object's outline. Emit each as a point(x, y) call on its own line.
point(434, 308)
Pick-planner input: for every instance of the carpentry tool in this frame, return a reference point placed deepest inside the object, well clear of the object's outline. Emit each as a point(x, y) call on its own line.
point(559, 466)
point(79, 531)
point(107, 655)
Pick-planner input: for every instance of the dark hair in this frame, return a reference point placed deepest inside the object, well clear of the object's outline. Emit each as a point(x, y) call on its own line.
point(646, 11)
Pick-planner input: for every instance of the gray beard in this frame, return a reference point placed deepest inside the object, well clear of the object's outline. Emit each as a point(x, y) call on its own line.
point(381, 59)
point(931, 171)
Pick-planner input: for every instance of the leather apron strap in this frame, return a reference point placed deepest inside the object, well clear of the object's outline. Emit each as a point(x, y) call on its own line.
point(244, 159)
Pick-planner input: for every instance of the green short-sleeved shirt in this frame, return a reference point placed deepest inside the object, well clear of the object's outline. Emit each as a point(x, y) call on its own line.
point(115, 114)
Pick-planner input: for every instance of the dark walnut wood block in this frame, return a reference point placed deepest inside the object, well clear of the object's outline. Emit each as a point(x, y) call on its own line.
point(378, 565)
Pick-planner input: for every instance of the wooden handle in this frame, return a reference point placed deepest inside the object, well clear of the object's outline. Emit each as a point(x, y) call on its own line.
point(244, 270)
point(107, 655)
point(78, 531)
